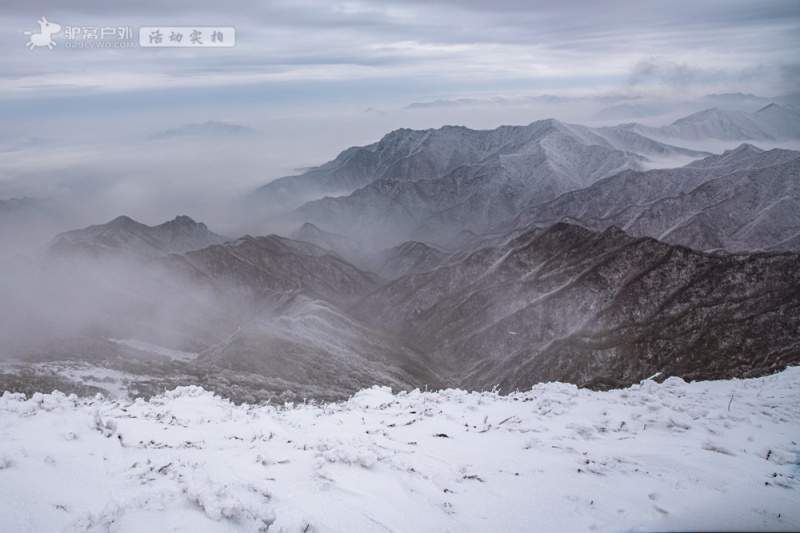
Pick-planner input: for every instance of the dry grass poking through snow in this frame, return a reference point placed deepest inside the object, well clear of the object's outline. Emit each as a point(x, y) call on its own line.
point(711, 455)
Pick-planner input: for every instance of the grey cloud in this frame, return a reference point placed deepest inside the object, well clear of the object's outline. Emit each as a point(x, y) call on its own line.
point(545, 99)
point(790, 77)
point(303, 66)
point(475, 38)
point(664, 71)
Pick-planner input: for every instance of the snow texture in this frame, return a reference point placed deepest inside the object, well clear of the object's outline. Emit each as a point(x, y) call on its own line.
point(431, 185)
point(772, 122)
point(653, 457)
point(742, 200)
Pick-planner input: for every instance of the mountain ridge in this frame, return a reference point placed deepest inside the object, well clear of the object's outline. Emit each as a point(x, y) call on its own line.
point(518, 166)
point(452, 257)
point(742, 188)
point(771, 122)
point(124, 234)
point(524, 312)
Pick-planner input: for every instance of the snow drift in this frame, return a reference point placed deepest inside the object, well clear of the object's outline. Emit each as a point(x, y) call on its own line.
point(652, 457)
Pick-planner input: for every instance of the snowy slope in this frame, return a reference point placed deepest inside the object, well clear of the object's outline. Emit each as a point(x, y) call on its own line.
point(742, 200)
point(773, 122)
point(346, 248)
point(402, 154)
point(407, 154)
point(596, 309)
point(59, 305)
point(522, 167)
point(314, 347)
point(410, 258)
point(266, 267)
point(654, 457)
point(271, 315)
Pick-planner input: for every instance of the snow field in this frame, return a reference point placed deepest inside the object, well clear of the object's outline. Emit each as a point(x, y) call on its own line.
point(669, 456)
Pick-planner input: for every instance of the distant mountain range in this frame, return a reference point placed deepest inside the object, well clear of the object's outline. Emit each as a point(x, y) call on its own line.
point(597, 309)
point(772, 122)
point(434, 185)
point(16, 205)
point(431, 185)
point(449, 257)
point(208, 129)
point(125, 234)
point(743, 200)
point(414, 155)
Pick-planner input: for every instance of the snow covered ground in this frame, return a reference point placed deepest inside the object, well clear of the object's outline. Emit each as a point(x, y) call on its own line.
point(672, 456)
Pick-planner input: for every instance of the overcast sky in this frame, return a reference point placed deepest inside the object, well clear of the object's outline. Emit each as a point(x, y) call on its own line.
point(314, 77)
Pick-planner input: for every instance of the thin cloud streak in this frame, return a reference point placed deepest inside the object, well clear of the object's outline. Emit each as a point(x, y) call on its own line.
point(302, 75)
point(314, 40)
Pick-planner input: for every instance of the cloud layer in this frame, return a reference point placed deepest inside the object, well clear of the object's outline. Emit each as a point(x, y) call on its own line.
point(78, 122)
point(443, 43)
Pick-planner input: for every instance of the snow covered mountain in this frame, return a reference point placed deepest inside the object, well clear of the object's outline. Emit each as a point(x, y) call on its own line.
point(502, 266)
point(266, 268)
point(402, 154)
point(313, 347)
point(742, 200)
point(298, 336)
point(480, 281)
point(772, 122)
point(596, 309)
point(347, 248)
point(411, 257)
point(435, 186)
point(190, 301)
point(455, 179)
point(561, 303)
point(181, 234)
point(262, 310)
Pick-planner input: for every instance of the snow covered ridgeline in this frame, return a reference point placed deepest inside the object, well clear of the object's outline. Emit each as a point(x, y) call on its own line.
point(718, 455)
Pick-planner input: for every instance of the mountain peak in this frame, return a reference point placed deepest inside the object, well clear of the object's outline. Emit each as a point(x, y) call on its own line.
point(706, 114)
point(308, 226)
point(546, 123)
point(182, 221)
point(770, 107)
point(729, 158)
point(179, 235)
point(744, 148)
point(120, 221)
point(773, 122)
